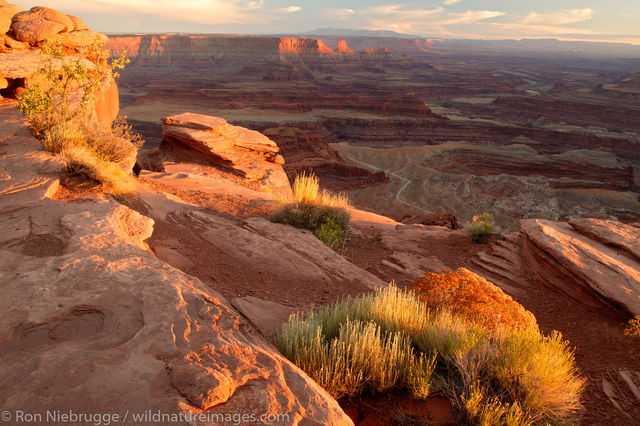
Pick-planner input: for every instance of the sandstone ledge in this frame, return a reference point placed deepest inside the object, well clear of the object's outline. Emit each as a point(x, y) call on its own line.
point(584, 259)
point(93, 320)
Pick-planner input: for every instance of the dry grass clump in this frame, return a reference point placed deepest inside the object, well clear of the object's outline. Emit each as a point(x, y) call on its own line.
point(99, 153)
point(390, 339)
point(466, 293)
point(480, 228)
point(316, 209)
point(82, 160)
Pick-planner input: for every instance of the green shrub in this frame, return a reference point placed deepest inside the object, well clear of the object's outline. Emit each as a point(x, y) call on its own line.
point(330, 233)
point(59, 110)
point(67, 85)
point(480, 228)
point(391, 340)
point(320, 211)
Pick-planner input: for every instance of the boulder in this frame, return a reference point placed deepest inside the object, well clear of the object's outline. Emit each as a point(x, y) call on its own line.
point(592, 261)
point(40, 13)
point(7, 11)
point(9, 43)
point(266, 315)
point(76, 40)
point(78, 24)
point(447, 220)
point(610, 232)
point(34, 31)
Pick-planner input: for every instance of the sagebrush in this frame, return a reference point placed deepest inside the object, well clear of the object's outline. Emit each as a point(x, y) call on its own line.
point(322, 212)
point(390, 339)
point(480, 228)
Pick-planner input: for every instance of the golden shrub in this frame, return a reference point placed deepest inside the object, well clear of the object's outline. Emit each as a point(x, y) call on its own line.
point(466, 293)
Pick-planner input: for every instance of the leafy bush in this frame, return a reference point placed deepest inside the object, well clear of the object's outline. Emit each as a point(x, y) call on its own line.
point(330, 233)
point(468, 294)
point(390, 339)
point(633, 329)
point(480, 228)
point(59, 110)
point(318, 210)
point(67, 85)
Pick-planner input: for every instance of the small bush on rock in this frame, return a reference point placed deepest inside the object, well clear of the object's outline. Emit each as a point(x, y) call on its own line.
point(480, 228)
point(320, 211)
point(330, 233)
point(633, 329)
point(59, 110)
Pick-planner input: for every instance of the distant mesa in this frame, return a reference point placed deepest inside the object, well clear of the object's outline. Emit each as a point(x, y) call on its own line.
point(343, 47)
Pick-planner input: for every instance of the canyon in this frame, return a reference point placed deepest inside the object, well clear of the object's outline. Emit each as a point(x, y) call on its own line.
point(163, 297)
point(399, 123)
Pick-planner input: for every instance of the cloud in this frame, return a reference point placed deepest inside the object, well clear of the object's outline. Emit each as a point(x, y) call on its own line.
point(556, 23)
point(290, 9)
point(341, 14)
point(451, 2)
point(422, 21)
point(561, 17)
point(207, 12)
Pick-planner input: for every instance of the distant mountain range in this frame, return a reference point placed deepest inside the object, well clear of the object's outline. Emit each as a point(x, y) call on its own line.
point(347, 32)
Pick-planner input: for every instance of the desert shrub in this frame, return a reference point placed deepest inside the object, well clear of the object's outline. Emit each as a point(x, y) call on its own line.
point(540, 373)
point(484, 411)
point(330, 233)
point(633, 329)
point(480, 228)
point(58, 109)
point(348, 352)
point(318, 210)
point(80, 159)
point(116, 144)
point(390, 339)
point(55, 138)
point(67, 85)
point(466, 293)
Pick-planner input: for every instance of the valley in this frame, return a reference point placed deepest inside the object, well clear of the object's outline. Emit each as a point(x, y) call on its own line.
point(540, 129)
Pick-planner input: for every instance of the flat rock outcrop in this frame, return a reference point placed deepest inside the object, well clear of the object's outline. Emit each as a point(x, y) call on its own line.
point(590, 260)
point(246, 153)
point(93, 320)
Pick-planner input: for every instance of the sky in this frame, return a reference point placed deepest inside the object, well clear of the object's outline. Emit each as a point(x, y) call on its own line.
point(589, 20)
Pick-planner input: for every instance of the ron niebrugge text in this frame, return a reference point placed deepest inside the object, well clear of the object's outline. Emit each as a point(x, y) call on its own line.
point(149, 416)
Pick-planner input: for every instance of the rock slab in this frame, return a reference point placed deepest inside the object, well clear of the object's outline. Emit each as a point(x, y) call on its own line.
point(590, 260)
